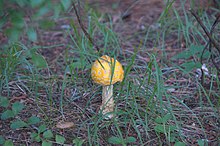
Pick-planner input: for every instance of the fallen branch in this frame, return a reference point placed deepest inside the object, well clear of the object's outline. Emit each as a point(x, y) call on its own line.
point(84, 30)
point(209, 43)
point(205, 29)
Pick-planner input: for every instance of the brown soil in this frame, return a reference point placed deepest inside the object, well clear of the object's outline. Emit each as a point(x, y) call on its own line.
point(131, 19)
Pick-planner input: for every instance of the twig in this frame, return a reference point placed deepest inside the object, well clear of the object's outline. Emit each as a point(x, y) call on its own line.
point(211, 31)
point(84, 30)
point(125, 14)
point(209, 43)
point(205, 29)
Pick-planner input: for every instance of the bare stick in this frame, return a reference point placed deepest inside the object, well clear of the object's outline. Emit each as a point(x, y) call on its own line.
point(209, 43)
point(205, 29)
point(84, 30)
point(211, 31)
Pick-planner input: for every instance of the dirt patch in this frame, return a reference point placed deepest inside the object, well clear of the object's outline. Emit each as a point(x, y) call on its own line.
point(131, 20)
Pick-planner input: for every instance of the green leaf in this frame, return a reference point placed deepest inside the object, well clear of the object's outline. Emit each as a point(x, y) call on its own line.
point(21, 3)
point(179, 144)
point(4, 102)
point(167, 117)
point(164, 128)
point(206, 55)
point(46, 143)
point(39, 61)
point(60, 139)
point(13, 34)
point(114, 140)
point(172, 138)
point(201, 142)
point(42, 11)
point(18, 124)
point(194, 49)
point(66, 4)
point(171, 128)
point(130, 139)
point(35, 136)
point(159, 128)
point(33, 120)
point(32, 35)
point(78, 142)
point(79, 64)
point(3, 20)
point(48, 134)
point(42, 128)
point(17, 107)
point(8, 143)
point(36, 3)
point(159, 120)
point(2, 140)
point(189, 66)
point(7, 114)
point(1, 7)
point(57, 10)
point(46, 24)
point(183, 55)
point(17, 19)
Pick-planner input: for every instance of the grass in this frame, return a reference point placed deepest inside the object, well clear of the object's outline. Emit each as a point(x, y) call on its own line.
point(159, 102)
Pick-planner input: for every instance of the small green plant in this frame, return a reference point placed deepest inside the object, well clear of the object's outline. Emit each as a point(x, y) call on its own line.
point(13, 111)
point(78, 142)
point(36, 59)
point(20, 123)
point(47, 138)
point(195, 51)
point(9, 113)
point(2, 140)
point(42, 135)
point(118, 140)
point(18, 58)
point(163, 127)
point(60, 139)
point(15, 13)
point(8, 143)
point(5, 142)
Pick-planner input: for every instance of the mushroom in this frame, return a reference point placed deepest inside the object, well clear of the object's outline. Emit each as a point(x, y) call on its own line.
point(106, 71)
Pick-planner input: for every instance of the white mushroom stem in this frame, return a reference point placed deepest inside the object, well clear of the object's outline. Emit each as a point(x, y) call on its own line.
point(107, 101)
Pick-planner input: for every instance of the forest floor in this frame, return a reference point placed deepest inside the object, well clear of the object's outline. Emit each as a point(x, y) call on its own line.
point(140, 31)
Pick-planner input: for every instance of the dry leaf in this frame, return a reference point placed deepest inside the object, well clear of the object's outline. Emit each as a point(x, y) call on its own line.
point(64, 125)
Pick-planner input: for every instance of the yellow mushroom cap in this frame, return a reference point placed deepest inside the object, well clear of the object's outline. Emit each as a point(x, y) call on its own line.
point(102, 71)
